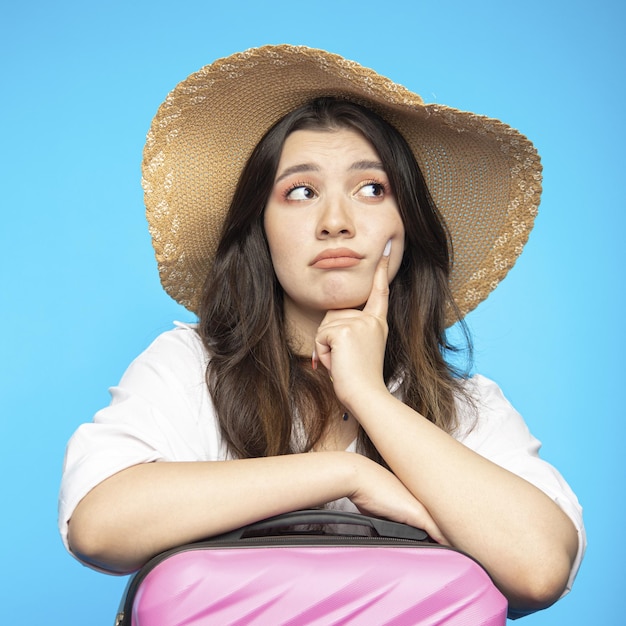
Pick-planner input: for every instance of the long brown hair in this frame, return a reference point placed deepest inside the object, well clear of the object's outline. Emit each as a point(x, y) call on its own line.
point(259, 386)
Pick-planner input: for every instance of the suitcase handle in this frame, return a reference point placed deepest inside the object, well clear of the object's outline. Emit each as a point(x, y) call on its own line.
point(382, 527)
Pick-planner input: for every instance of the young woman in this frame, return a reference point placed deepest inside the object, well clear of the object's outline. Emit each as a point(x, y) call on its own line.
point(327, 227)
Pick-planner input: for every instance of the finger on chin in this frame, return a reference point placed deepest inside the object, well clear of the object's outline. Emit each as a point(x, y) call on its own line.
point(378, 300)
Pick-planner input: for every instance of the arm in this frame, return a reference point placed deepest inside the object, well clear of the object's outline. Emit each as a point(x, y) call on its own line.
point(150, 474)
point(151, 507)
point(517, 532)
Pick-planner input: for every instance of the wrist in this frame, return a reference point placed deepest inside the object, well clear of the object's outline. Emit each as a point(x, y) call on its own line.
point(355, 469)
point(369, 401)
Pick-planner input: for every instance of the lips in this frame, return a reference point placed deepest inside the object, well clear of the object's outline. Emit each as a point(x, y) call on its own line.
point(336, 258)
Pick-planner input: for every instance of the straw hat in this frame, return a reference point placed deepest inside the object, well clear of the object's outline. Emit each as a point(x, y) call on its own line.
point(484, 176)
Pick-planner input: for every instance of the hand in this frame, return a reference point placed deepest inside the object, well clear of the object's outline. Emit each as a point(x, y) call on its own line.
point(350, 343)
point(379, 493)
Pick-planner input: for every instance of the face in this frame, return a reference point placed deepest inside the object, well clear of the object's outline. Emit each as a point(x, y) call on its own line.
point(328, 218)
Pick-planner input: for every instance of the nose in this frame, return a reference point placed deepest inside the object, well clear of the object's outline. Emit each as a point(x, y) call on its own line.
point(335, 219)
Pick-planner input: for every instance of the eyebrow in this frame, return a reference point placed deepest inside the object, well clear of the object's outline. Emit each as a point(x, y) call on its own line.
point(367, 165)
point(310, 167)
point(296, 169)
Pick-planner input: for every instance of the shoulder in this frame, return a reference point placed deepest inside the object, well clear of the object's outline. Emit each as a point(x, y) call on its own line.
point(486, 417)
point(167, 379)
point(483, 392)
point(482, 388)
point(181, 340)
point(178, 351)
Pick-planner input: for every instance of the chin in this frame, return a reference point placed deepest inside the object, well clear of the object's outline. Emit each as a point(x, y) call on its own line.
point(344, 303)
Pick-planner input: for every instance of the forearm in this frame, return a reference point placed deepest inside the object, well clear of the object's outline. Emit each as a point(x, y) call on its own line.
point(151, 507)
point(519, 534)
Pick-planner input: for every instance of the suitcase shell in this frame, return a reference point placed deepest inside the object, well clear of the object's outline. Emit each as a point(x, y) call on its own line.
point(314, 579)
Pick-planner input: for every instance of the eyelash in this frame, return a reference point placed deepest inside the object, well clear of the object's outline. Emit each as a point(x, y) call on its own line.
point(300, 184)
point(294, 186)
point(384, 186)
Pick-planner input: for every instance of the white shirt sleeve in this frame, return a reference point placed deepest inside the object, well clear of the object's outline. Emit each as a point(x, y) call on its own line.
point(497, 431)
point(160, 411)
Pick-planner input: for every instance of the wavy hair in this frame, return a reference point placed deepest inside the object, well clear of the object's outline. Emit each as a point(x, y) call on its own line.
point(268, 399)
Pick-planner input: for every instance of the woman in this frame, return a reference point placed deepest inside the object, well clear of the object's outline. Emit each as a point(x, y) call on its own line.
point(323, 296)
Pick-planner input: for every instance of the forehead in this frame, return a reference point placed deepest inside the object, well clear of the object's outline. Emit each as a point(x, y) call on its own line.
point(342, 143)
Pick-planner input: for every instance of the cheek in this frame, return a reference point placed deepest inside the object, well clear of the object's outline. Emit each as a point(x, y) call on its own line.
point(281, 262)
point(397, 253)
point(284, 239)
point(274, 233)
point(397, 247)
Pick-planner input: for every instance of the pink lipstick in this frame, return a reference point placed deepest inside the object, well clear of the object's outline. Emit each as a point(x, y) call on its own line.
point(336, 258)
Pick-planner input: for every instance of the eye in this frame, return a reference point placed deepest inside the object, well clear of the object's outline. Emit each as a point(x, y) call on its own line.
point(372, 190)
point(300, 192)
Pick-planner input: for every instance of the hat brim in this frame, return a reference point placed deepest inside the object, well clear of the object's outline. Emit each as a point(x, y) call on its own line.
point(484, 176)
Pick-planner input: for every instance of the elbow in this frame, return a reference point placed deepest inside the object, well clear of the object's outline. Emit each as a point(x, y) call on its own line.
point(541, 585)
point(535, 596)
point(543, 570)
point(88, 542)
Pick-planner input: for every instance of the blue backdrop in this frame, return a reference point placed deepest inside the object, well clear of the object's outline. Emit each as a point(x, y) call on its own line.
point(80, 293)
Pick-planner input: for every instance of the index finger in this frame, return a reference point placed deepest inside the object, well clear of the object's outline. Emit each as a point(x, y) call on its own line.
point(378, 301)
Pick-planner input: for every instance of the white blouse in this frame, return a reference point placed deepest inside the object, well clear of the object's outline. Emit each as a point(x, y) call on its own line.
point(162, 411)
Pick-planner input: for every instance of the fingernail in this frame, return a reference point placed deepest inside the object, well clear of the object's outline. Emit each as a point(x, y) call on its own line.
point(387, 250)
point(314, 359)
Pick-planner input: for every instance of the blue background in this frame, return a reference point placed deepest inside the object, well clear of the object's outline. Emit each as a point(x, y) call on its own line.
point(80, 294)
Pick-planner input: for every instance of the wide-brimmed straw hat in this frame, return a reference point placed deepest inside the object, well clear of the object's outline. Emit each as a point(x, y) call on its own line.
point(484, 176)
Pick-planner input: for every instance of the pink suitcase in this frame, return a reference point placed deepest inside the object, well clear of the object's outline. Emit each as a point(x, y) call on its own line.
point(301, 575)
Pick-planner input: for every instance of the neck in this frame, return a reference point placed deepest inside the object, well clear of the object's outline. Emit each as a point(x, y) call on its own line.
point(301, 327)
